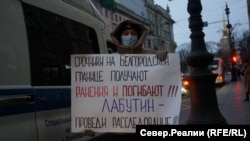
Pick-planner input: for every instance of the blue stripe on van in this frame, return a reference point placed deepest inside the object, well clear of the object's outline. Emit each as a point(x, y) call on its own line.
point(44, 99)
point(53, 98)
point(17, 108)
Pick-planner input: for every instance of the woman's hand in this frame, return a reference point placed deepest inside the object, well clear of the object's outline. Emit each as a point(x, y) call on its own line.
point(89, 133)
point(161, 55)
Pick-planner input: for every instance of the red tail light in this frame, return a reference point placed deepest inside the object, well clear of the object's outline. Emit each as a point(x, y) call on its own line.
point(185, 83)
point(220, 77)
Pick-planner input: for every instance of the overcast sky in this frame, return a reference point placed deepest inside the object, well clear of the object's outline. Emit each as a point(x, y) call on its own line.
point(212, 12)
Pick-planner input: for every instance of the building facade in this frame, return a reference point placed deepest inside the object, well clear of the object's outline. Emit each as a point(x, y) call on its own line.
point(154, 17)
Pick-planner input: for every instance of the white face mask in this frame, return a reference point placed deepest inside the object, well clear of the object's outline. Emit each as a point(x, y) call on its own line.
point(129, 40)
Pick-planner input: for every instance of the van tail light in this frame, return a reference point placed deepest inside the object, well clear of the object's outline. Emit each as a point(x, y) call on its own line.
point(185, 83)
point(220, 77)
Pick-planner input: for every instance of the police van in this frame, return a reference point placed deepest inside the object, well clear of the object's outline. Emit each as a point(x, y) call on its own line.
point(36, 40)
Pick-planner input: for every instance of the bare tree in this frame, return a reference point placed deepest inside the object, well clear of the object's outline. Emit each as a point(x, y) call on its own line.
point(243, 44)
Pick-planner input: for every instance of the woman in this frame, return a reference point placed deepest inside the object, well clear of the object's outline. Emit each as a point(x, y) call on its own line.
point(128, 37)
point(245, 71)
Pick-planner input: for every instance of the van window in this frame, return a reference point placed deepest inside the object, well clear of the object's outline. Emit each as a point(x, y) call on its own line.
point(52, 39)
point(111, 47)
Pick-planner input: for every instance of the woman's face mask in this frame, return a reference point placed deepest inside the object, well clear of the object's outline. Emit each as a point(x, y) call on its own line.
point(129, 38)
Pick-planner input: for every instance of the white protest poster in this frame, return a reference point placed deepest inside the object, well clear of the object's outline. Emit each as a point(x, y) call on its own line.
point(116, 92)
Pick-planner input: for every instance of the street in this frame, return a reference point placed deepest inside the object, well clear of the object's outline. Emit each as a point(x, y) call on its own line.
point(230, 101)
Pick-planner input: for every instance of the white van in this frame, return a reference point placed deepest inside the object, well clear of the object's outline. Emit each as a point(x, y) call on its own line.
point(218, 67)
point(37, 38)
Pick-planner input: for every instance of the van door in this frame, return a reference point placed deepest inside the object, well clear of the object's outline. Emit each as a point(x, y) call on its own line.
point(17, 101)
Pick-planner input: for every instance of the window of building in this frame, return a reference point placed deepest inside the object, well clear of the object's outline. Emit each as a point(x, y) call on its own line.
point(106, 13)
point(149, 43)
point(52, 39)
point(116, 19)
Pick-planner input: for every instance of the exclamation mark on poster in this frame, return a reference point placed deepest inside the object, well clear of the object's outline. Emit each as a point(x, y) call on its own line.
point(115, 91)
point(172, 91)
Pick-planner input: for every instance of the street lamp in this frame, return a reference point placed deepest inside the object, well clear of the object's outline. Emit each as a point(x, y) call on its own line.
point(231, 46)
point(204, 106)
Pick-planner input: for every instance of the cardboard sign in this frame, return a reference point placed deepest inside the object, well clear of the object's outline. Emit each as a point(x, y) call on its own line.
point(116, 92)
